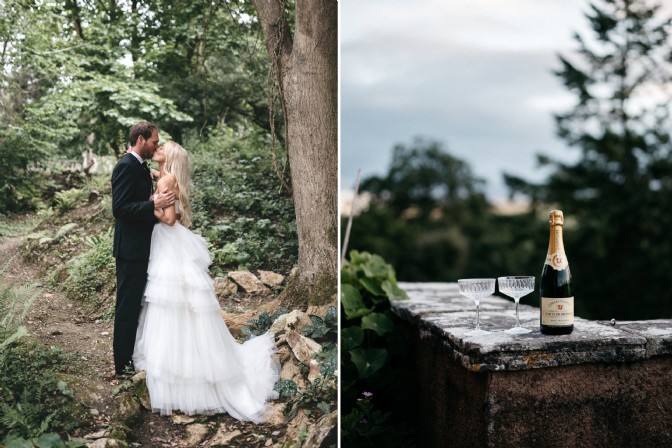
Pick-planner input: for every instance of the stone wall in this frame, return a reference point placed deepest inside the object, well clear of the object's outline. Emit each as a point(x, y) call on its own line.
point(604, 385)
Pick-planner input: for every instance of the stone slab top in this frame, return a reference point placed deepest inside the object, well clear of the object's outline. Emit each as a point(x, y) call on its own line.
point(439, 311)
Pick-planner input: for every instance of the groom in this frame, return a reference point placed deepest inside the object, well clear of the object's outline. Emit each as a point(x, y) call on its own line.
point(134, 221)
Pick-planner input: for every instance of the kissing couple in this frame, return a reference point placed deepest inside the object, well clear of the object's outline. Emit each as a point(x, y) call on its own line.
point(167, 318)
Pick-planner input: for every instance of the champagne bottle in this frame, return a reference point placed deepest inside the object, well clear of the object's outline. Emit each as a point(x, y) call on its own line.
point(557, 298)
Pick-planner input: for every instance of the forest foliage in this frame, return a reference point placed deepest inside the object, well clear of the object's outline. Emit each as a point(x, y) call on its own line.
point(429, 216)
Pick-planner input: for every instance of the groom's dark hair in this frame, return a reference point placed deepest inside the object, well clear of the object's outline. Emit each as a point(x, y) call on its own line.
point(144, 128)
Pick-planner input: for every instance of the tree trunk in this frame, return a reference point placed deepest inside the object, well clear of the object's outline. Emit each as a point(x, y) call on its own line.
point(307, 69)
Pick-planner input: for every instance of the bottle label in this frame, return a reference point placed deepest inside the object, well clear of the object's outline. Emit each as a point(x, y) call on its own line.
point(557, 261)
point(557, 311)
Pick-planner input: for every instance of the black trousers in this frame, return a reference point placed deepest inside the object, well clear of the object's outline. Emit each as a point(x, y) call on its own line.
point(131, 282)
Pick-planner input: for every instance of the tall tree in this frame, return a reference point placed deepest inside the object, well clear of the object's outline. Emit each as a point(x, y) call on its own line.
point(305, 63)
point(619, 191)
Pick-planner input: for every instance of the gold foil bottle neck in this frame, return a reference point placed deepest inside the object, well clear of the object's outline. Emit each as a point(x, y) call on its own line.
point(556, 218)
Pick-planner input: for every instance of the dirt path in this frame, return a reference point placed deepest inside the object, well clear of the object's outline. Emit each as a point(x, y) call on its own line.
point(56, 321)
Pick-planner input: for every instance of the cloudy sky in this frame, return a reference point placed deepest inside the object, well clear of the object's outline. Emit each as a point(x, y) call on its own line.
point(476, 75)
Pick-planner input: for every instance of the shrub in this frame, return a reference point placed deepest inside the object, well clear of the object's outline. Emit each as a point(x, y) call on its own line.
point(238, 203)
point(91, 276)
point(373, 347)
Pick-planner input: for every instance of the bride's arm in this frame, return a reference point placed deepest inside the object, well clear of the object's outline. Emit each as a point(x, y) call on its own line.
point(166, 215)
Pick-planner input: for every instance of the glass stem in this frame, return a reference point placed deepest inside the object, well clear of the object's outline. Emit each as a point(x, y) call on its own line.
point(478, 315)
point(517, 319)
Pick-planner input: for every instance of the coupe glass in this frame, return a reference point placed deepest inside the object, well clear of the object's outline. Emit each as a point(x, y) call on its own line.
point(476, 289)
point(516, 287)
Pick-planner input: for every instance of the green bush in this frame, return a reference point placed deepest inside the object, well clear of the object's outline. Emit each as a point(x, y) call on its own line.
point(91, 276)
point(374, 342)
point(238, 202)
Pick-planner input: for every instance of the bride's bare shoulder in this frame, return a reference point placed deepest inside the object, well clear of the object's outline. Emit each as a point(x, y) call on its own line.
point(167, 181)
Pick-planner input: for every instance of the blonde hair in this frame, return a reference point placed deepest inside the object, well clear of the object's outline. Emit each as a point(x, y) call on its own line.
point(177, 165)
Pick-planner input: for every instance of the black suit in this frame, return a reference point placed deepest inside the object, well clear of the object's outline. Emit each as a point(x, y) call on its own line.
point(133, 225)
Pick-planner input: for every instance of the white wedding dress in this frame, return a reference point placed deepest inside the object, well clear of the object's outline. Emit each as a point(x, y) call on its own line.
point(192, 361)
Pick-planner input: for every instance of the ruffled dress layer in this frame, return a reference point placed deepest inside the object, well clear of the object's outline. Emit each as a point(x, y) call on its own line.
point(192, 361)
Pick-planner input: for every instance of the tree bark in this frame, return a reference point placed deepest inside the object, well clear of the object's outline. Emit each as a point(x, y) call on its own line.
point(306, 66)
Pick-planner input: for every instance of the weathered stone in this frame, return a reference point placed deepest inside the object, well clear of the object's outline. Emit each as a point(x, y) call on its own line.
point(107, 443)
point(603, 385)
point(196, 433)
point(223, 437)
point(439, 311)
point(224, 287)
point(271, 279)
point(96, 435)
point(235, 322)
point(128, 411)
point(276, 416)
point(286, 322)
point(118, 431)
point(180, 419)
point(323, 429)
point(85, 389)
point(248, 281)
point(314, 372)
point(298, 425)
point(139, 389)
point(291, 371)
point(304, 348)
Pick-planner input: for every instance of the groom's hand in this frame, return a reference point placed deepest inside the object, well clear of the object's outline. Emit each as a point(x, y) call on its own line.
point(164, 199)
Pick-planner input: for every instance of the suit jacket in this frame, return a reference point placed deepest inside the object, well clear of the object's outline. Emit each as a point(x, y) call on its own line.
point(132, 209)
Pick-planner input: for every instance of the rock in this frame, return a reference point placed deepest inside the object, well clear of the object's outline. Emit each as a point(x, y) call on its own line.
point(250, 283)
point(286, 322)
point(118, 431)
point(314, 372)
point(223, 437)
point(284, 354)
point(224, 287)
point(180, 419)
point(236, 322)
point(128, 411)
point(94, 412)
point(276, 416)
point(271, 279)
point(107, 443)
point(323, 429)
point(296, 427)
point(140, 376)
point(86, 390)
point(304, 348)
point(196, 433)
point(291, 371)
point(96, 435)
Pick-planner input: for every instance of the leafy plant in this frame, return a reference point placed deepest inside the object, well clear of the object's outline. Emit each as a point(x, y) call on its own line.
point(373, 343)
point(238, 205)
point(320, 327)
point(263, 323)
point(90, 276)
point(67, 199)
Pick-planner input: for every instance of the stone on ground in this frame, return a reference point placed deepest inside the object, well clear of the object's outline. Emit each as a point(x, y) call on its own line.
point(248, 281)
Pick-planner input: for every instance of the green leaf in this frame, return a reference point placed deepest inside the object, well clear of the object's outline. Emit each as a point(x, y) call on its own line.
point(377, 268)
point(323, 406)
point(393, 291)
point(378, 323)
point(50, 440)
point(352, 302)
point(351, 337)
point(286, 388)
point(368, 360)
point(372, 285)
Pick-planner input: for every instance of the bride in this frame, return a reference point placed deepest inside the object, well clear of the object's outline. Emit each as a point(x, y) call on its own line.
point(192, 361)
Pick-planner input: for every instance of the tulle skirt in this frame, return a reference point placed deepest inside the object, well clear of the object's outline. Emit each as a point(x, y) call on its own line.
point(192, 361)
